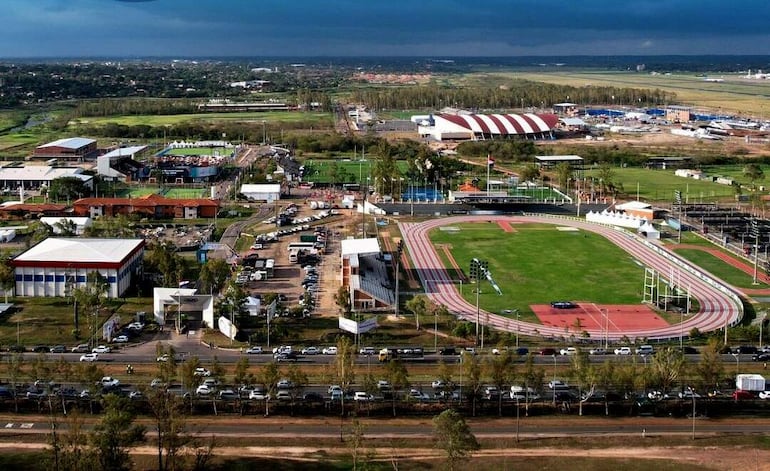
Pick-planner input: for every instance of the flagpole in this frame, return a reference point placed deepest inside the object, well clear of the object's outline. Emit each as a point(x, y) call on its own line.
point(488, 157)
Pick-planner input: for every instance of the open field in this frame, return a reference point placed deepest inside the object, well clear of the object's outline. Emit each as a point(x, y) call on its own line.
point(319, 171)
point(137, 192)
point(717, 267)
point(323, 119)
point(659, 185)
point(537, 264)
point(734, 95)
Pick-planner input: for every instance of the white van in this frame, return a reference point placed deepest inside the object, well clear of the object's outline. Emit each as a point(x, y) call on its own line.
point(645, 350)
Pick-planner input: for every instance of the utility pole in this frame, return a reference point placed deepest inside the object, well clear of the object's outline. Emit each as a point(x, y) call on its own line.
point(399, 250)
point(755, 233)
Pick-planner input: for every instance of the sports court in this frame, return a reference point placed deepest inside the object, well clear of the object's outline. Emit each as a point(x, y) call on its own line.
point(590, 316)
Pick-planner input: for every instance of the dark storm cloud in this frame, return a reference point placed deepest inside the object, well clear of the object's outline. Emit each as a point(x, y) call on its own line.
point(395, 27)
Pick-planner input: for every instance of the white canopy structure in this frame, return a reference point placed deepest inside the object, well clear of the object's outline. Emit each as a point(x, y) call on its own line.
point(614, 218)
point(649, 231)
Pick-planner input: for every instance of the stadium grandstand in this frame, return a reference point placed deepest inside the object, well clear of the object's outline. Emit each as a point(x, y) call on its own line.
point(489, 126)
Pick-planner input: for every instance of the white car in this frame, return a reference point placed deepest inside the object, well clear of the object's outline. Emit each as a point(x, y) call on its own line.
point(623, 351)
point(645, 350)
point(109, 381)
point(136, 326)
point(101, 349)
point(89, 357)
point(438, 384)
point(120, 339)
point(203, 390)
point(259, 395)
point(362, 396)
point(200, 371)
point(329, 351)
point(254, 350)
point(367, 351)
point(568, 351)
point(310, 351)
point(335, 388)
point(764, 394)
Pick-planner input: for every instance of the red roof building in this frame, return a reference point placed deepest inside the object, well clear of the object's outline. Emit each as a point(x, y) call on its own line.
point(153, 206)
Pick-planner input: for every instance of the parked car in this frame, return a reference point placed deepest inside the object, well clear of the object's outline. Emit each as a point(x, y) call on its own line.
point(82, 348)
point(764, 394)
point(109, 381)
point(362, 396)
point(312, 397)
point(329, 351)
point(448, 351)
point(283, 395)
point(34, 393)
point(258, 394)
point(741, 395)
point(135, 395)
point(120, 339)
point(203, 390)
point(200, 371)
point(548, 351)
point(688, 394)
point(367, 351)
point(645, 350)
point(254, 350)
point(89, 357)
point(687, 350)
point(58, 349)
point(491, 393)
point(521, 351)
point(745, 350)
point(623, 351)
point(568, 351)
point(280, 357)
point(597, 351)
point(101, 349)
point(761, 357)
point(563, 305)
point(383, 385)
point(310, 351)
point(41, 349)
point(284, 384)
point(557, 384)
point(227, 395)
point(438, 384)
point(418, 395)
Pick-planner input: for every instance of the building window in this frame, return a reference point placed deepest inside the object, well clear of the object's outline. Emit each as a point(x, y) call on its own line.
point(111, 279)
point(38, 277)
point(49, 278)
point(27, 277)
point(81, 279)
point(59, 278)
point(19, 278)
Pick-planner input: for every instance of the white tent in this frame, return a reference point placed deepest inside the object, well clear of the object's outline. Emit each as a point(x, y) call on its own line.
point(252, 305)
point(649, 231)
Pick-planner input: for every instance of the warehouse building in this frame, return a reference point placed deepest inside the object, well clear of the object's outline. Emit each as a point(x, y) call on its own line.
point(121, 164)
point(73, 149)
point(491, 126)
point(33, 177)
point(268, 192)
point(58, 264)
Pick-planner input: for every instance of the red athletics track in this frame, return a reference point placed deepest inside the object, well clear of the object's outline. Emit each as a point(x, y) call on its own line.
point(620, 317)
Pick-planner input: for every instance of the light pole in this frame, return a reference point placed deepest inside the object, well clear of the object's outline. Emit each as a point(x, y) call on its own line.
point(764, 317)
point(692, 394)
point(737, 357)
point(517, 331)
point(553, 383)
point(435, 331)
point(478, 314)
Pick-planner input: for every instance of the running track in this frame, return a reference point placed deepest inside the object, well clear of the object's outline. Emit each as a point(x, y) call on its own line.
point(716, 307)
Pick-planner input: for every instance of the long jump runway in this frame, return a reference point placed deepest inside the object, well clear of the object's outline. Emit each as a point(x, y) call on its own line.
point(717, 308)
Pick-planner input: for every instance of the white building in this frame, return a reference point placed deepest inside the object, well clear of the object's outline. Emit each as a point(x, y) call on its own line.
point(365, 275)
point(268, 192)
point(56, 265)
point(120, 164)
point(33, 177)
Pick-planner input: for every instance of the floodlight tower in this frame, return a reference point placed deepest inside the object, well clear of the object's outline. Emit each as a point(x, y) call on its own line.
point(478, 270)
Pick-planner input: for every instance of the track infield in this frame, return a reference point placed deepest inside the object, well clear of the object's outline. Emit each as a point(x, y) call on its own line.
point(590, 317)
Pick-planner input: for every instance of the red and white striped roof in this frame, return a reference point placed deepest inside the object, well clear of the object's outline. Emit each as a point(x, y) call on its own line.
point(504, 124)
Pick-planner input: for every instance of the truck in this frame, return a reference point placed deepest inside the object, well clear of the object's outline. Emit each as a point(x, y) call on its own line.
point(750, 382)
point(294, 256)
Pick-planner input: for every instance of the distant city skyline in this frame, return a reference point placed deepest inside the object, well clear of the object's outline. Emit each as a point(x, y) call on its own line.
point(306, 28)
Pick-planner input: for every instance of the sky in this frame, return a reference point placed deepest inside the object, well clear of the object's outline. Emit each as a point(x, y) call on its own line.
point(306, 28)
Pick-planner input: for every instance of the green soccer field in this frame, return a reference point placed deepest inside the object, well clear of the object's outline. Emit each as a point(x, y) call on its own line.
point(537, 264)
point(137, 192)
point(185, 193)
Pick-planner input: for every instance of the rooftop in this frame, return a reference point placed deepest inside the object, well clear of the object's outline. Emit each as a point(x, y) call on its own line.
point(69, 142)
point(79, 250)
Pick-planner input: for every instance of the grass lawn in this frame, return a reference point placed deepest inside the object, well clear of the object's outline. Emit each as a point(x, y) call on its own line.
point(355, 171)
point(271, 117)
point(49, 321)
point(717, 267)
point(659, 185)
point(735, 94)
point(538, 264)
point(137, 192)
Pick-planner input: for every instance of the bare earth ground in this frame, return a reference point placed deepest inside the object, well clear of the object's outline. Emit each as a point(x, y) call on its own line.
point(713, 458)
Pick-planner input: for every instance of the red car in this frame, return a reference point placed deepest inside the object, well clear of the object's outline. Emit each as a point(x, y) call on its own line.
point(741, 395)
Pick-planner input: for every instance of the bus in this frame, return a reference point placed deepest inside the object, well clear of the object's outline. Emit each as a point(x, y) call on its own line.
point(401, 353)
point(309, 246)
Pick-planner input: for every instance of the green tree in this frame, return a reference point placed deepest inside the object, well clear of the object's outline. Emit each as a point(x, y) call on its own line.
point(500, 369)
point(71, 449)
point(472, 373)
point(564, 172)
point(533, 378)
point(754, 173)
point(345, 366)
point(213, 275)
point(710, 368)
point(242, 375)
point(585, 376)
point(606, 176)
point(67, 188)
point(342, 300)
point(667, 367)
point(269, 376)
point(529, 173)
point(115, 433)
point(419, 305)
point(398, 377)
point(7, 277)
point(453, 435)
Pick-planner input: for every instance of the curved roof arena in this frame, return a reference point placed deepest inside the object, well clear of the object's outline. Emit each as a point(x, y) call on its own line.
point(503, 124)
